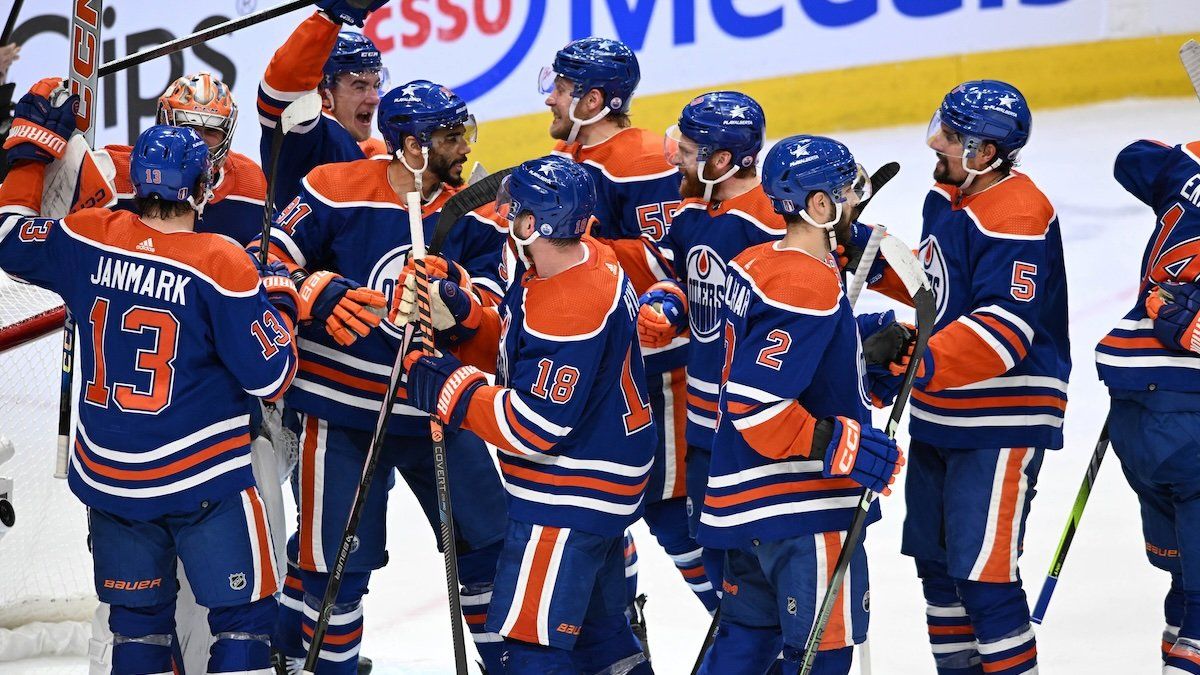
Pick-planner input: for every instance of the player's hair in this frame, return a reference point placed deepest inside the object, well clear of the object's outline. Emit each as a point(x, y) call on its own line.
point(747, 171)
point(1006, 164)
point(622, 119)
point(562, 243)
point(156, 207)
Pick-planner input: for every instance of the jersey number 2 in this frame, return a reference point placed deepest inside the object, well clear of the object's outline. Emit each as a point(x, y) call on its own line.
point(155, 361)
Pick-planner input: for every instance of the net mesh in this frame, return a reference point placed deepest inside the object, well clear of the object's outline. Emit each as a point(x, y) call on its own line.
point(45, 568)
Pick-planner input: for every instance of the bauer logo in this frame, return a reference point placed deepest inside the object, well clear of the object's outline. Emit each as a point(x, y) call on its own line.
point(706, 292)
point(934, 264)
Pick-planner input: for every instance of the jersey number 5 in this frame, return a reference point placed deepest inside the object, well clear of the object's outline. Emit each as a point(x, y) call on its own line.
point(1023, 286)
point(155, 361)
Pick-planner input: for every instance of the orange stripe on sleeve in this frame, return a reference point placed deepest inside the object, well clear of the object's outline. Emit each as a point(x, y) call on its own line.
point(481, 419)
point(961, 357)
point(527, 435)
point(296, 66)
point(1007, 333)
point(788, 434)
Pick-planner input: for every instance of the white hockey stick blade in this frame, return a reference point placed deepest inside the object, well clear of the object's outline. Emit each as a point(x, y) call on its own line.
point(304, 109)
point(478, 173)
point(1189, 54)
point(902, 261)
point(865, 261)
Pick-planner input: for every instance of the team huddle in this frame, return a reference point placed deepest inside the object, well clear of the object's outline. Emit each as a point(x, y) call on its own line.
point(639, 326)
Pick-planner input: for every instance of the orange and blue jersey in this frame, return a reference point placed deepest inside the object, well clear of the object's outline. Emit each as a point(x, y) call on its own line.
point(347, 219)
point(177, 340)
point(1167, 179)
point(792, 357)
point(702, 239)
point(235, 209)
point(296, 69)
point(1000, 348)
point(569, 412)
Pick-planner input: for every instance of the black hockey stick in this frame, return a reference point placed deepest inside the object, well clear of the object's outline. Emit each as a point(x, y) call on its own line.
point(12, 22)
point(880, 178)
point(303, 109)
point(909, 270)
point(464, 201)
point(1064, 544)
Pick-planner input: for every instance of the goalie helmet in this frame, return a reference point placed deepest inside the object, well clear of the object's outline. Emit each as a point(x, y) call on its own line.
point(596, 63)
point(171, 163)
point(203, 101)
point(420, 108)
point(986, 110)
point(559, 193)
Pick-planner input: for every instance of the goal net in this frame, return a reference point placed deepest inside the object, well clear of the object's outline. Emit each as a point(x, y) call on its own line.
point(46, 589)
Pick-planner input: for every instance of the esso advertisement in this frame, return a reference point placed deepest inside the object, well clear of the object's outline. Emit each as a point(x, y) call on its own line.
point(490, 51)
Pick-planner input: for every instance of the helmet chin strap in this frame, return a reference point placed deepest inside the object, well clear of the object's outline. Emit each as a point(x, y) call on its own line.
point(709, 185)
point(199, 204)
point(417, 173)
point(829, 227)
point(972, 173)
point(577, 124)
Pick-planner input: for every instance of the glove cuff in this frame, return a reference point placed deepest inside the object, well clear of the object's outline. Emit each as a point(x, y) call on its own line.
point(281, 292)
point(842, 450)
point(310, 291)
point(456, 394)
point(25, 131)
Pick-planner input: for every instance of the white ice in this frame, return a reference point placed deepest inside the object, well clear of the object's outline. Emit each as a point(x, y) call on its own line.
point(1106, 615)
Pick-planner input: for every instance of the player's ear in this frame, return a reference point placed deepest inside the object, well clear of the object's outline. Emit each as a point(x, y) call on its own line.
point(987, 153)
point(593, 101)
point(720, 162)
point(411, 146)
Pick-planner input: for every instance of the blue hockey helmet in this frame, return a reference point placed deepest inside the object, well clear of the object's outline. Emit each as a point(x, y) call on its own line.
point(596, 63)
point(724, 120)
point(798, 166)
point(420, 108)
point(171, 163)
point(985, 110)
point(559, 193)
point(353, 53)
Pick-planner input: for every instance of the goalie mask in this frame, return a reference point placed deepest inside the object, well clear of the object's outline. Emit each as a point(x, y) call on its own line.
point(204, 102)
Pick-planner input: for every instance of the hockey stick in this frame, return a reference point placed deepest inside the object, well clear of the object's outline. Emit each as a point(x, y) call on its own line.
point(83, 59)
point(475, 195)
point(303, 109)
point(1189, 54)
point(905, 265)
point(881, 177)
point(11, 23)
point(1064, 544)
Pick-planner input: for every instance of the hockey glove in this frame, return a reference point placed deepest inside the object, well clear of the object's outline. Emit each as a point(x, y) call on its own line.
point(455, 310)
point(40, 129)
point(850, 252)
point(1175, 309)
point(348, 310)
point(866, 455)
point(353, 12)
point(281, 290)
point(441, 385)
point(924, 371)
point(885, 343)
point(663, 314)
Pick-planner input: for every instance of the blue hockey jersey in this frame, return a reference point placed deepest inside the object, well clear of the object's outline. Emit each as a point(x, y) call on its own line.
point(235, 209)
point(294, 70)
point(1000, 348)
point(347, 219)
point(569, 411)
point(792, 357)
point(177, 339)
point(701, 240)
point(1167, 180)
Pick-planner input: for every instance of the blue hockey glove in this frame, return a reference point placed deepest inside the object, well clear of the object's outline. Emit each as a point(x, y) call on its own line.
point(281, 290)
point(663, 314)
point(866, 455)
point(885, 344)
point(40, 130)
point(1175, 309)
point(348, 310)
point(353, 12)
point(441, 385)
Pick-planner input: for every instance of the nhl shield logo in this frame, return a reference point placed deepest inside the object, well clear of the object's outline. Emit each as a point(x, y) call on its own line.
point(791, 606)
point(706, 292)
point(237, 581)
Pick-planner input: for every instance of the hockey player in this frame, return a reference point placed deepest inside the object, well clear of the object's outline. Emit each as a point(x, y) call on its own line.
point(206, 104)
point(349, 220)
point(570, 418)
point(794, 445)
point(724, 211)
point(1149, 363)
point(179, 337)
point(589, 88)
point(346, 68)
point(990, 394)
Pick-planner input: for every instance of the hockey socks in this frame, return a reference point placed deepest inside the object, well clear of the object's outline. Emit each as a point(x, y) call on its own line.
point(951, 636)
point(1000, 616)
point(243, 637)
point(339, 652)
point(476, 571)
point(286, 638)
point(142, 638)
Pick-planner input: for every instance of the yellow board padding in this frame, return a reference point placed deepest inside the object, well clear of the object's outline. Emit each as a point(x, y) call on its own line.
point(894, 93)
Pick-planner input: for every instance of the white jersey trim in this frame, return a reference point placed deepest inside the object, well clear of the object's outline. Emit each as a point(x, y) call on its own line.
point(988, 420)
point(773, 469)
point(161, 490)
point(784, 509)
point(168, 449)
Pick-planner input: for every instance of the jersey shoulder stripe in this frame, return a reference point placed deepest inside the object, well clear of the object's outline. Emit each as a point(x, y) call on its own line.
point(576, 303)
point(1013, 208)
point(754, 207)
point(210, 257)
point(632, 154)
point(790, 279)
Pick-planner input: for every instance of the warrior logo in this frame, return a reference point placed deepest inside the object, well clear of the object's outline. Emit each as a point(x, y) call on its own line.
point(706, 292)
point(383, 278)
point(934, 264)
point(237, 581)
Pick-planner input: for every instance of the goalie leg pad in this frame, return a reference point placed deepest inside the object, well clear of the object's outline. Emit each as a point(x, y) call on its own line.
point(243, 640)
point(142, 637)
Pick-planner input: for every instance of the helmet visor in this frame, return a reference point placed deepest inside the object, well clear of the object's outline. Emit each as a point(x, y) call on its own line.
point(547, 79)
point(861, 187)
point(942, 138)
point(679, 150)
point(466, 130)
point(504, 202)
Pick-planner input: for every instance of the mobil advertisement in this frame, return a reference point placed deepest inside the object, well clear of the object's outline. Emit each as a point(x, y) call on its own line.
point(490, 51)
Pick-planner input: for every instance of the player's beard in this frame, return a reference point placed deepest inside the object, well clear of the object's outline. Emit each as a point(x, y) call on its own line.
point(691, 186)
point(443, 168)
point(560, 127)
point(942, 170)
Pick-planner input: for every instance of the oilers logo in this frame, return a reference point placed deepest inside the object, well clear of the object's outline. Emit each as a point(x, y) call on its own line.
point(934, 264)
point(706, 292)
point(383, 278)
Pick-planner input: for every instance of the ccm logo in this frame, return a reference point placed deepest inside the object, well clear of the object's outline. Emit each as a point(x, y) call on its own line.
point(848, 449)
